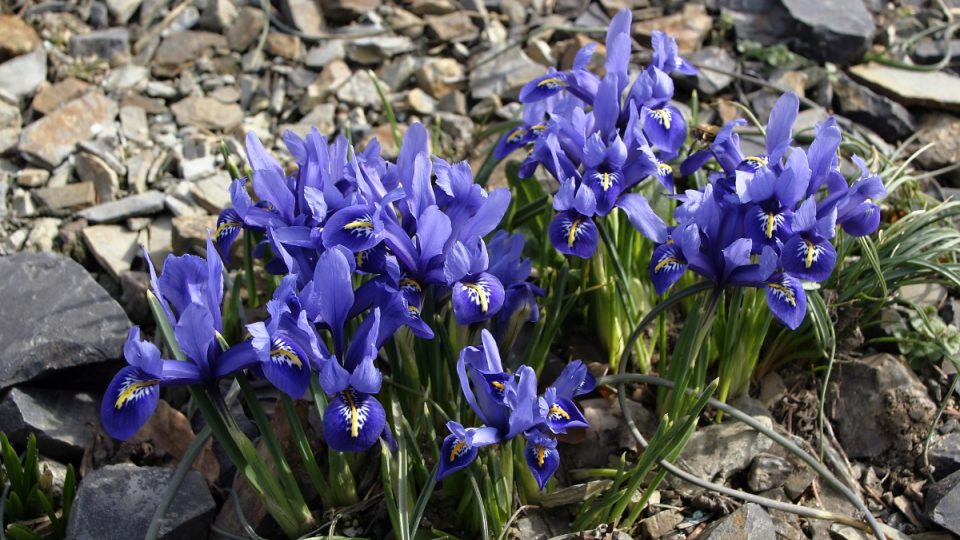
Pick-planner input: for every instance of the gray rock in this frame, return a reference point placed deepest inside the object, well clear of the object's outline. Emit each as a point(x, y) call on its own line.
point(720, 451)
point(49, 140)
point(504, 75)
point(68, 198)
point(112, 44)
point(144, 204)
point(325, 53)
point(122, 10)
point(55, 317)
point(33, 178)
point(456, 27)
point(212, 193)
point(52, 96)
point(91, 168)
point(440, 76)
point(942, 503)
point(710, 82)
point(879, 407)
point(20, 76)
point(113, 246)
point(207, 113)
point(180, 50)
point(10, 121)
point(117, 502)
point(43, 234)
point(219, 15)
point(63, 421)
point(22, 203)
point(374, 50)
point(661, 524)
point(306, 15)
point(837, 31)
point(768, 472)
point(943, 130)
point(749, 521)
point(344, 11)
point(359, 90)
point(125, 77)
point(945, 455)
point(133, 124)
point(246, 28)
point(922, 88)
point(886, 117)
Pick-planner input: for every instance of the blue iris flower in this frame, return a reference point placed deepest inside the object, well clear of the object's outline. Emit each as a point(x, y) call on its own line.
point(508, 406)
point(768, 221)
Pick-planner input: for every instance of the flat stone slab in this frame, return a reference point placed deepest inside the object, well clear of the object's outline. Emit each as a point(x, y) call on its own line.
point(924, 88)
point(144, 204)
point(55, 317)
point(63, 421)
point(117, 502)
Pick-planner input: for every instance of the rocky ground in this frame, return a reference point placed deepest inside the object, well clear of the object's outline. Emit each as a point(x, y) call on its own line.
point(112, 117)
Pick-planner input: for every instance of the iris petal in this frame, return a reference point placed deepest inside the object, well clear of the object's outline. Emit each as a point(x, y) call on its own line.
point(787, 300)
point(477, 298)
point(562, 413)
point(808, 257)
point(129, 402)
point(542, 458)
point(353, 421)
point(287, 367)
point(574, 234)
point(455, 454)
point(666, 266)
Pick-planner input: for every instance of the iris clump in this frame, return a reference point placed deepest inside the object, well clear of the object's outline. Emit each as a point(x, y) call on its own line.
point(768, 221)
point(357, 242)
point(600, 137)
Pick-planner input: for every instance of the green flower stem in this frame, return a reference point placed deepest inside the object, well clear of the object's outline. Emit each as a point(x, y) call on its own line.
point(623, 287)
point(238, 448)
point(621, 380)
point(306, 453)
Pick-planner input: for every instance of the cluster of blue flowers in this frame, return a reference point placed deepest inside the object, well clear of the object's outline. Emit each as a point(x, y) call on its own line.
point(768, 221)
point(508, 406)
point(599, 140)
point(404, 231)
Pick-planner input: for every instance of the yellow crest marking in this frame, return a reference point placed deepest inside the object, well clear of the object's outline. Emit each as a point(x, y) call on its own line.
point(129, 391)
point(354, 414)
point(555, 409)
point(482, 295)
point(293, 358)
point(457, 447)
point(785, 291)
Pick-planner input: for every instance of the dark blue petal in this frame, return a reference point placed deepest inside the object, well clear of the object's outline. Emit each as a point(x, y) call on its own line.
point(808, 257)
point(542, 458)
point(780, 125)
point(455, 454)
point(665, 127)
point(574, 234)
point(862, 220)
point(787, 300)
point(574, 380)
point(195, 334)
point(142, 354)
point(477, 298)
point(352, 421)
point(666, 266)
point(642, 217)
point(287, 366)
point(560, 413)
point(129, 402)
point(543, 87)
point(229, 225)
point(357, 228)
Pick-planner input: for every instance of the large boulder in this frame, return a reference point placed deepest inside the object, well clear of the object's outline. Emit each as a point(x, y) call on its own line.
point(837, 31)
point(63, 421)
point(117, 502)
point(55, 317)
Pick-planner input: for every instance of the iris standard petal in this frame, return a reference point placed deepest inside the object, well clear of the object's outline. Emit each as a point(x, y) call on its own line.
point(808, 257)
point(476, 298)
point(574, 380)
point(642, 216)
point(129, 401)
point(353, 421)
point(787, 300)
point(574, 234)
point(862, 220)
